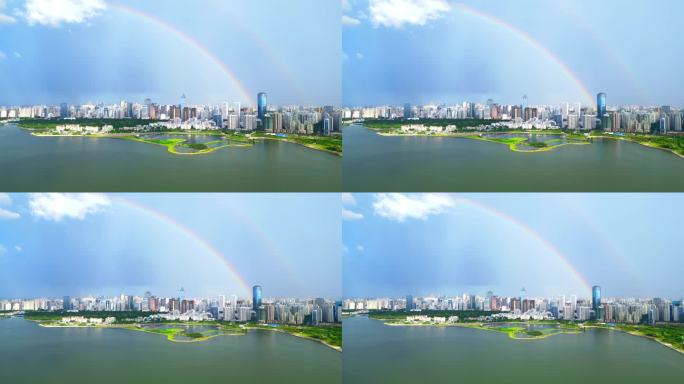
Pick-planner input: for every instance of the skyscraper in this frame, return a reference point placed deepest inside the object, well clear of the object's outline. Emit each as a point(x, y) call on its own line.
point(261, 106)
point(64, 110)
point(256, 297)
point(66, 303)
point(407, 111)
point(409, 302)
point(595, 297)
point(601, 105)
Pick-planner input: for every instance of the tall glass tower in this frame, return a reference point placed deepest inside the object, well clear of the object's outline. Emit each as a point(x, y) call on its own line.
point(601, 105)
point(409, 302)
point(261, 106)
point(256, 297)
point(595, 297)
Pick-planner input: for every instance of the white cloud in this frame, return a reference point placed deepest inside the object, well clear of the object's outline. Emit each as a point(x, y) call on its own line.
point(348, 198)
point(360, 248)
point(351, 215)
point(57, 206)
point(3, 56)
point(18, 248)
point(17, 55)
point(346, 5)
point(2, 249)
point(397, 13)
point(399, 207)
point(6, 19)
point(359, 55)
point(7, 214)
point(5, 198)
point(56, 12)
point(350, 21)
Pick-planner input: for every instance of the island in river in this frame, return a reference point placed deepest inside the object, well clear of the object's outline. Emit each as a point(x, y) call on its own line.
point(669, 335)
point(183, 331)
point(176, 140)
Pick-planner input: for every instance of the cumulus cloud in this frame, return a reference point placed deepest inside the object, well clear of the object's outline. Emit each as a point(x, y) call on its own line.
point(5, 198)
point(348, 198)
point(18, 248)
point(350, 21)
point(359, 55)
point(399, 207)
point(57, 12)
point(351, 215)
point(360, 248)
point(58, 206)
point(398, 13)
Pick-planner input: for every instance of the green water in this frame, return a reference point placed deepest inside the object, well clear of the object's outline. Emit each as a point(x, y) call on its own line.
point(31, 354)
point(376, 353)
point(82, 164)
point(375, 163)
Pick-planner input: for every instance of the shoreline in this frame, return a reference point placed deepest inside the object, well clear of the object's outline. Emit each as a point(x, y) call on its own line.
point(128, 136)
point(633, 333)
point(466, 135)
point(300, 335)
point(511, 334)
point(310, 146)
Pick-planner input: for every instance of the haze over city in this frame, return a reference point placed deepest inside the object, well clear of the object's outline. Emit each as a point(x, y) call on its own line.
point(79, 244)
point(77, 52)
point(551, 244)
point(434, 51)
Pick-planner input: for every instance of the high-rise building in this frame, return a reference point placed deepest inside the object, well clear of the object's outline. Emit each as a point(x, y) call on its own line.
point(256, 297)
point(64, 110)
point(601, 105)
point(261, 106)
point(407, 111)
point(409, 302)
point(595, 297)
point(66, 303)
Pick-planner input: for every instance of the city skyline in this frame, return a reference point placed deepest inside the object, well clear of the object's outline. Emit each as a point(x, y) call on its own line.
point(79, 244)
point(225, 51)
point(437, 51)
point(549, 243)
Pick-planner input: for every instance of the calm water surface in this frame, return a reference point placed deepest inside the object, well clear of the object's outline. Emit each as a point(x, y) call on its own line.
point(376, 353)
point(82, 164)
point(446, 164)
point(31, 354)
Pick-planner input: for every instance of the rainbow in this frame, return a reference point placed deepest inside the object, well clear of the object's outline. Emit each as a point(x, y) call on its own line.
point(266, 48)
point(531, 233)
point(533, 42)
point(191, 234)
point(189, 40)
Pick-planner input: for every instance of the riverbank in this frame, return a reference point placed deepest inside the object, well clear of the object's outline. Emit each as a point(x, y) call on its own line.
point(513, 332)
point(179, 334)
point(302, 335)
point(636, 331)
point(646, 141)
point(323, 144)
point(671, 144)
point(328, 145)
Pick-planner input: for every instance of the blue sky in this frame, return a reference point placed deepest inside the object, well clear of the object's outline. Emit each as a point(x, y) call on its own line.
point(57, 244)
point(101, 50)
point(424, 51)
point(395, 244)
